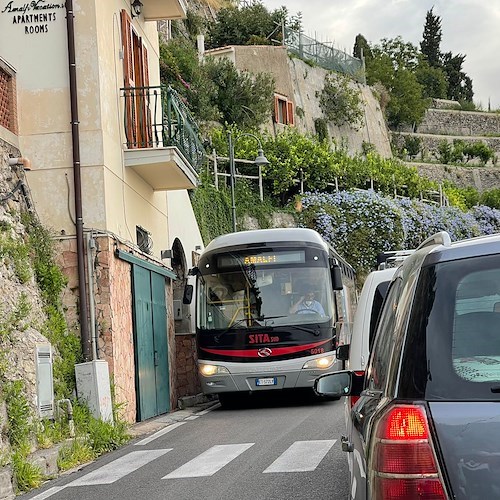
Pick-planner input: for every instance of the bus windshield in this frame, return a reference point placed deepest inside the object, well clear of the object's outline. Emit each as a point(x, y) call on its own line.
point(285, 287)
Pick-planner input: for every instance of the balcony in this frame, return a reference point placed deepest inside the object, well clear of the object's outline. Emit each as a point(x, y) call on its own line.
point(157, 10)
point(162, 139)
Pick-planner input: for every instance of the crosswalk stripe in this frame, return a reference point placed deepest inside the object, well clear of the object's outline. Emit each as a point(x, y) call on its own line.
point(301, 456)
point(159, 433)
point(209, 462)
point(119, 468)
point(48, 493)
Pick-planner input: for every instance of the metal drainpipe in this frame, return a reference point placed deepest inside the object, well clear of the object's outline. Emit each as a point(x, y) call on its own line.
point(90, 276)
point(84, 331)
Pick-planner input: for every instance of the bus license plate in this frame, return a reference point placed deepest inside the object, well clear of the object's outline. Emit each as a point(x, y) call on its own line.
point(266, 381)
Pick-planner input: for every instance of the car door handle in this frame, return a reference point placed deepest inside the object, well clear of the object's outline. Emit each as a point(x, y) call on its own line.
point(346, 444)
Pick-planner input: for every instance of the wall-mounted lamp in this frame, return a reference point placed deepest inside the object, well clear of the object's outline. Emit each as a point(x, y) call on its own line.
point(136, 8)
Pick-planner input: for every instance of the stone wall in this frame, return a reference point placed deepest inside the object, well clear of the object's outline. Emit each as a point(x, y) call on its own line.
point(429, 143)
point(483, 179)
point(18, 347)
point(453, 122)
point(187, 381)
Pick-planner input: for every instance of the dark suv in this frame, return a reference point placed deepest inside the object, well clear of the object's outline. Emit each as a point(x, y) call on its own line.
point(427, 424)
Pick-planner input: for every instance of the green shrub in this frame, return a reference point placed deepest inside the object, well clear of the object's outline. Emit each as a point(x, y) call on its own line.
point(26, 475)
point(340, 102)
point(76, 453)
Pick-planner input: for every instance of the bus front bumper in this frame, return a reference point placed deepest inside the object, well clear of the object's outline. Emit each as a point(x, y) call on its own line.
point(252, 377)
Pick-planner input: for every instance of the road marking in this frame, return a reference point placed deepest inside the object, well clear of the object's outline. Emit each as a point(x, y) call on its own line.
point(209, 462)
point(49, 492)
point(119, 468)
point(302, 456)
point(192, 417)
point(214, 407)
point(158, 434)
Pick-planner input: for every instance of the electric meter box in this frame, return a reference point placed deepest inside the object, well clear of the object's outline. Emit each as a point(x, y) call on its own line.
point(93, 388)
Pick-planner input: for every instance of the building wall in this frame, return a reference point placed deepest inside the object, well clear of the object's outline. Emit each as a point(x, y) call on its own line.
point(41, 63)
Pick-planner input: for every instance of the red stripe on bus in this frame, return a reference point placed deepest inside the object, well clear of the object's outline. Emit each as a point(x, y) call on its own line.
point(253, 353)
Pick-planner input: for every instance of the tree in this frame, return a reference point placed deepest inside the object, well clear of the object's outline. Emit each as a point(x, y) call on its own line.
point(430, 44)
point(181, 69)
point(433, 80)
point(249, 25)
point(459, 84)
point(407, 105)
point(340, 102)
point(242, 98)
point(361, 46)
point(393, 65)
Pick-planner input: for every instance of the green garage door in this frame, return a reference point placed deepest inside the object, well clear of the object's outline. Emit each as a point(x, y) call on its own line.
point(151, 345)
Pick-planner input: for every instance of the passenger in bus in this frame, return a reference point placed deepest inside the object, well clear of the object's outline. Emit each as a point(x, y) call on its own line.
point(307, 304)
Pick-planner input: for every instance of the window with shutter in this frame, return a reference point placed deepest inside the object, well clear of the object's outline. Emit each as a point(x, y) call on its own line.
point(136, 83)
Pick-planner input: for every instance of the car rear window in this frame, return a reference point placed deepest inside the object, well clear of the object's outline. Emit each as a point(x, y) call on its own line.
point(454, 332)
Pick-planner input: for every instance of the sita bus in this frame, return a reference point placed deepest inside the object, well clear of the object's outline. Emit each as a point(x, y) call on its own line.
point(268, 303)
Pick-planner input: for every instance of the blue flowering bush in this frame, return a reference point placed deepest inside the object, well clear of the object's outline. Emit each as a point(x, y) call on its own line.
point(360, 224)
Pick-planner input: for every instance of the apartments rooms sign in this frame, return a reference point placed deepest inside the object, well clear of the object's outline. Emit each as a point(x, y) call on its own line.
point(33, 17)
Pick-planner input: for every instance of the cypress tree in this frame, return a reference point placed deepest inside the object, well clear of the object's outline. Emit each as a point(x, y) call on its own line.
point(430, 44)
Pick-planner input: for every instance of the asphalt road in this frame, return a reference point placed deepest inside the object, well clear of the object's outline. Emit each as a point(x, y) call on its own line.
point(276, 447)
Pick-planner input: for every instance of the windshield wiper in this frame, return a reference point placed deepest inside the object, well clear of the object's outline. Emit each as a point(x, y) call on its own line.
point(233, 325)
point(316, 331)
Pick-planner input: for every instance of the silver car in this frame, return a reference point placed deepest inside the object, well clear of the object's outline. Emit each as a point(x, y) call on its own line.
point(427, 424)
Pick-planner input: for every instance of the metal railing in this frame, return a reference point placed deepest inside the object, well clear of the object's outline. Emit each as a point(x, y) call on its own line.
point(156, 117)
point(323, 55)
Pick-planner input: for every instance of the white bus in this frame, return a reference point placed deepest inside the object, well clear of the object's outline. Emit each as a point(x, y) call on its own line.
point(268, 305)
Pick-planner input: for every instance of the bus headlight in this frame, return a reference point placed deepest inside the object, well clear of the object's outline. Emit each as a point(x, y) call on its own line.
point(321, 363)
point(209, 370)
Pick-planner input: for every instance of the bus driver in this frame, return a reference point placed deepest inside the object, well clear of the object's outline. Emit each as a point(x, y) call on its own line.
point(307, 304)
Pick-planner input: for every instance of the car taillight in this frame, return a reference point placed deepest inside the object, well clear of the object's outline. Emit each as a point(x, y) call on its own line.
point(403, 462)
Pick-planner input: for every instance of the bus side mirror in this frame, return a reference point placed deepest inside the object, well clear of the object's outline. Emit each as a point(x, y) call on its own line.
point(194, 271)
point(188, 294)
point(336, 278)
point(343, 352)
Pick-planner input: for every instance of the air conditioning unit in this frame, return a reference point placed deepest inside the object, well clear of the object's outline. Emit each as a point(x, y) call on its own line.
point(45, 381)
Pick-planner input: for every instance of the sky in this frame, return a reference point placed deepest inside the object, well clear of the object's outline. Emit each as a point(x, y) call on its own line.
point(470, 27)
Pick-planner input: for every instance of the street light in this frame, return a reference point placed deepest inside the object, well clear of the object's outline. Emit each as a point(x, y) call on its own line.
point(259, 161)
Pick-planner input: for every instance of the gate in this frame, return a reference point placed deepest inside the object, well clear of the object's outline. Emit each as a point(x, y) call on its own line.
point(150, 342)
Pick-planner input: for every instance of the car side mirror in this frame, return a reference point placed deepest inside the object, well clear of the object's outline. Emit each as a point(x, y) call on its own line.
point(336, 278)
point(188, 294)
point(343, 352)
point(334, 385)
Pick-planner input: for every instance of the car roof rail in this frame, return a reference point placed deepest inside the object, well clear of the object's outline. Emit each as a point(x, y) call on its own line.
point(441, 238)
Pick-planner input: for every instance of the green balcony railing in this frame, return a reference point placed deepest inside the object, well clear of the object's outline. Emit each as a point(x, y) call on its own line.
point(156, 117)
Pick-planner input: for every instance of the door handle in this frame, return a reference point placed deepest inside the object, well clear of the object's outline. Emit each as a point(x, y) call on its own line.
point(346, 444)
point(156, 358)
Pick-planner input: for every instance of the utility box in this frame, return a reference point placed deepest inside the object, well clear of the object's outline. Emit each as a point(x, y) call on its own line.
point(44, 381)
point(94, 389)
